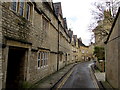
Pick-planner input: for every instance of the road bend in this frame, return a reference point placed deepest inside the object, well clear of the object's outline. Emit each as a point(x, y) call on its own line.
point(79, 77)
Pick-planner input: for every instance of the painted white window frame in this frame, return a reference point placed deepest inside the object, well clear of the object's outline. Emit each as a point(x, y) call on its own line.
point(42, 59)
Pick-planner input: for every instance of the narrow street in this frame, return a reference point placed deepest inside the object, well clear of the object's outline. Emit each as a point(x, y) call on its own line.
point(56, 44)
point(80, 77)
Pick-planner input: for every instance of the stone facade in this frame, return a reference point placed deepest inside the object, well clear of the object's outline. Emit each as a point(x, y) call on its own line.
point(91, 51)
point(36, 47)
point(103, 28)
point(84, 51)
point(113, 54)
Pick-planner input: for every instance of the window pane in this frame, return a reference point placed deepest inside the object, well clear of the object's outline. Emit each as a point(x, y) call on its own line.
point(41, 59)
point(44, 59)
point(21, 8)
point(39, 56)
point(38, 63)
point(14, 5)
point(22, 0)
point(28, 11)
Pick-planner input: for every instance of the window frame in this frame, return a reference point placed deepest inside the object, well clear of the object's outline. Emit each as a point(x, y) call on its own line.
point(42, 59)
point(11, 6)
point(47, 56)
point(28, 12)
point(23, 9)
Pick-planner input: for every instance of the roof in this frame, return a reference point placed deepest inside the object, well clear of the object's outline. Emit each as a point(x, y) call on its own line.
point(80, 43)
point(112, 26)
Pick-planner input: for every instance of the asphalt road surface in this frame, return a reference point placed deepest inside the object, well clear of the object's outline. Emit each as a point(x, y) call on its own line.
point(80, 77)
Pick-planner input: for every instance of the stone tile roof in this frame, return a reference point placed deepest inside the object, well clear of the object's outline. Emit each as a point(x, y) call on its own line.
point(80, 43)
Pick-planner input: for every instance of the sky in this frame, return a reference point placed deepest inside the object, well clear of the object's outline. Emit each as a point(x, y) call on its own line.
point(79, 16)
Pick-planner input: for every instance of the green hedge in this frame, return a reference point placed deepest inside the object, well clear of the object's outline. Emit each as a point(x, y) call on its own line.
point(99, 52)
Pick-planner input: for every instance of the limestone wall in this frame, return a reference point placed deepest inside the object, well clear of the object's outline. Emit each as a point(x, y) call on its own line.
point(30, 35)
point(113, 56)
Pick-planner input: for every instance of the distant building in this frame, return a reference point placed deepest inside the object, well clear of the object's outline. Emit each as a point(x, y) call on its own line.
point(84, 51)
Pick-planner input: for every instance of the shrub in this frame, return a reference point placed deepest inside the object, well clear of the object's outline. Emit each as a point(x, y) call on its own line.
point(24, 84)
point(99, 52)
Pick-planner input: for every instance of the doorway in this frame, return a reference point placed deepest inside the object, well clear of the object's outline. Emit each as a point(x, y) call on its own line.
point(15, 67)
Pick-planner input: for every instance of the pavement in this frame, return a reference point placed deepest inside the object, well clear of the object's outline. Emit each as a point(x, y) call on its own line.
point(71, 76)
point(53, 79)
point(100, 78)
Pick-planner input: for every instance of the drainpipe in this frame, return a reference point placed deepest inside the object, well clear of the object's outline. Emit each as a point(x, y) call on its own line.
point(58, 46)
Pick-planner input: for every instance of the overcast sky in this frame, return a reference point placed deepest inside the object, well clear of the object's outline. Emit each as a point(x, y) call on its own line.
point(79, 16)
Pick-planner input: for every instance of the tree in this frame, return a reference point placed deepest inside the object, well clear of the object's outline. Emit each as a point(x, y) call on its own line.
point(99, 8)
point(108, 5)
point(114, 5)
point(105, 12)
point(99, 52)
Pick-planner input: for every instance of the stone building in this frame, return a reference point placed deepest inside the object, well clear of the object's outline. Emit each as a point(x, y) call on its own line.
point(62, 36)
point(103, 28)
point(83, 53)
point(113, 54)
point(35, 42)
point(29, 46)
point(90, 51)
point(74, 46)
